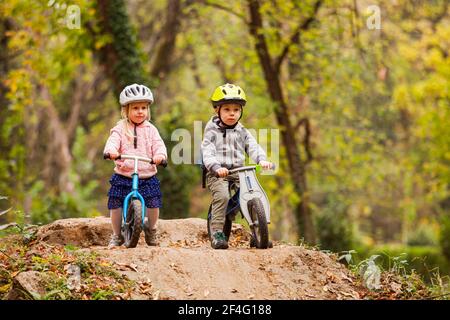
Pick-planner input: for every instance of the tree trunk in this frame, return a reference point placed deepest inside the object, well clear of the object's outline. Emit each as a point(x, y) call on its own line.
point(119, 57)
point(12, 133)
point(5, 143)
point(288, 135)
point(163, 61)
point(58, 150)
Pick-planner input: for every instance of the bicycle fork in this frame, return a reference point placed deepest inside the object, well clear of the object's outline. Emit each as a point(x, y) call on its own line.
point(134, 195)
point(249, 189)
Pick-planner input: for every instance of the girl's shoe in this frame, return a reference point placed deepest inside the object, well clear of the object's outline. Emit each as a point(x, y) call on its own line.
point(151, 237)
point(116, 241)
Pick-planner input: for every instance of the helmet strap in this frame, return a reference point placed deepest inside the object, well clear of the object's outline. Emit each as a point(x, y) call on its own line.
point(135, 131)
point(137, 124)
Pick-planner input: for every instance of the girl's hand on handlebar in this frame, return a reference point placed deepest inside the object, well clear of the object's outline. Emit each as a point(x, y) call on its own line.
point(266, 165)
point(222, 172)
point(113, 156)
point(158, 159)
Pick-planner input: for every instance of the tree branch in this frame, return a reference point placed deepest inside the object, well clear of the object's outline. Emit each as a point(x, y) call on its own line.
point(306, 140)
point(162, 63)
point(78, 91)
point(101, 91)
point(440, 16)
point(295, 36)
point(224, 8)
point(5, 212)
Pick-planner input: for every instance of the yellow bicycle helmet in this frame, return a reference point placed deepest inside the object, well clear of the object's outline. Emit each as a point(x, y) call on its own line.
point(228, 93)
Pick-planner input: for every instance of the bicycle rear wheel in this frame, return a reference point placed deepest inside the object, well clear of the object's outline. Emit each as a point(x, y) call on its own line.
point(260, 230)
point(132, 228)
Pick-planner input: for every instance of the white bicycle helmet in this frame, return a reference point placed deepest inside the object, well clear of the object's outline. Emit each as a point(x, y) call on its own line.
point(134, 93)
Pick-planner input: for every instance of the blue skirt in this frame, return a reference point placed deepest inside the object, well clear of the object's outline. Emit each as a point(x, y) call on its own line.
point(121, 186)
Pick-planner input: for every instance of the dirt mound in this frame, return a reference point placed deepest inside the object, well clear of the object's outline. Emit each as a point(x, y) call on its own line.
point(88, 232)
point(184, 266)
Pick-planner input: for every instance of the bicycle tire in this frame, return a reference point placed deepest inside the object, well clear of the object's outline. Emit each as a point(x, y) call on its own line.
point(131, 230)
point(252, 242)
point(260, 230)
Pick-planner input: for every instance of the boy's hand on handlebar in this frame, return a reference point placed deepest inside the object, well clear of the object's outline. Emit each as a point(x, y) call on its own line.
point(266, 165)
point(158, 159)
point(222, 172)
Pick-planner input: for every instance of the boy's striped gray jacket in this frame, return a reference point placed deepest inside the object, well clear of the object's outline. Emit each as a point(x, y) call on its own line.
point(227, 147)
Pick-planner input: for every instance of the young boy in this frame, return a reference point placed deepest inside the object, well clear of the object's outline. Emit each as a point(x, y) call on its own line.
point(224, 145)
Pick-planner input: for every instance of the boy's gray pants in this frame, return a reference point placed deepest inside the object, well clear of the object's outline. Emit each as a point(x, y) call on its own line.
point(220, 196)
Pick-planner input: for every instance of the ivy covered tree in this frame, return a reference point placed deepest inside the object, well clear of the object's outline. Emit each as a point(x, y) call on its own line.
point(119, 54)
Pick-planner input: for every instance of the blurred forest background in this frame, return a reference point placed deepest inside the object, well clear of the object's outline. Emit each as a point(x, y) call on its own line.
point(363, 112)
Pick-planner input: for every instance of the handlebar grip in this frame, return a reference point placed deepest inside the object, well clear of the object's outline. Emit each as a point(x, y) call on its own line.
point(107, 156)
point(217, 175)
point(163, 163)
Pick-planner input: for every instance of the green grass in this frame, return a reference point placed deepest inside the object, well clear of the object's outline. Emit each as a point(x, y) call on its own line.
point(425, 260)
point(419, 272)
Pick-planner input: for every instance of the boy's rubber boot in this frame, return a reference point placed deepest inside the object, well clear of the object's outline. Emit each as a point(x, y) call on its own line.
point(219, 240)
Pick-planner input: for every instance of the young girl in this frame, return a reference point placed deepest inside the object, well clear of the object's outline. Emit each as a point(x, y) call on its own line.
point(135, 135)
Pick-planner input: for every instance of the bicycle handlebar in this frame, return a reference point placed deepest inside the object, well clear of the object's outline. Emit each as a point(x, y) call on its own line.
point(256, 167)
point(107, 156)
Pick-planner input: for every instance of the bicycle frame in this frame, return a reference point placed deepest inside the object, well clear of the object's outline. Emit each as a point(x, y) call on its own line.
point(134, 194)
point(249, 188)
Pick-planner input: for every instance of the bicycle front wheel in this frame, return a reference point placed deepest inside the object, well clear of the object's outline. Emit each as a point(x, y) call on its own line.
point(132, 228)
point(260, 230)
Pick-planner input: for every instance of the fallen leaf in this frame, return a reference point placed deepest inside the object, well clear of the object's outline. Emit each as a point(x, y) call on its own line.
point(347, 278)
point(352, 294)
point(133, 267)
point(5, 288)
point(331, 277)
point(146, 291)
point(396, 287)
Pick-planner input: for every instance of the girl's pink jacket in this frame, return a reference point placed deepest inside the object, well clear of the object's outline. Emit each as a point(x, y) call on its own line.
point(149, 144)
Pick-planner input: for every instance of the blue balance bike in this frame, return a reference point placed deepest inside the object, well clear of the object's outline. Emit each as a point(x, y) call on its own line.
point(252, 202)
point(133, 212)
